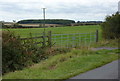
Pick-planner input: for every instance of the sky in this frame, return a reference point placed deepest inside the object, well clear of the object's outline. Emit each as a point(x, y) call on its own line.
point(78, 10)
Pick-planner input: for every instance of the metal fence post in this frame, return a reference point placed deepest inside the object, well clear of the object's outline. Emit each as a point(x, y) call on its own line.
point(96, 35)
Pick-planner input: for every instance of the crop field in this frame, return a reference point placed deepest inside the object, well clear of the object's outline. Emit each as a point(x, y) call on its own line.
point(64, 36)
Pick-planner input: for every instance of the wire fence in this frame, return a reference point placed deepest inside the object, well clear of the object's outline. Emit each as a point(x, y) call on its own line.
point(73, 40)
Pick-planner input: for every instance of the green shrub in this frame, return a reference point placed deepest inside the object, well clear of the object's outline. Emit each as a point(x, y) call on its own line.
point(111, 27)
point(17, 54)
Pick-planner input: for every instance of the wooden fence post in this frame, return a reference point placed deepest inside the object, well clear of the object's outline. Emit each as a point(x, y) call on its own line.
point(96, 35)
point(49, 38)
point(43, 40)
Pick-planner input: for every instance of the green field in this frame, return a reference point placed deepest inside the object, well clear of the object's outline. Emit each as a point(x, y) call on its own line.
point(24, 32)
point(69, 36)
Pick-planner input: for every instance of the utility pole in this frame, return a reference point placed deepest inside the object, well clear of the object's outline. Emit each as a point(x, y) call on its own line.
point(44, 41)
point(44, 18)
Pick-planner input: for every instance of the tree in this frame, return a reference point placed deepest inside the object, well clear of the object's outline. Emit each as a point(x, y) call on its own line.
point(111, 27)
point(78, 21)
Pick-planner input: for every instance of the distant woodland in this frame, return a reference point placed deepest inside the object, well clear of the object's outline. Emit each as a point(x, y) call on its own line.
point(47, 21)
point(39, 23)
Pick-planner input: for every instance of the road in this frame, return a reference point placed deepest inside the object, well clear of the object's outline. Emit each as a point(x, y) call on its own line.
point(108, 71)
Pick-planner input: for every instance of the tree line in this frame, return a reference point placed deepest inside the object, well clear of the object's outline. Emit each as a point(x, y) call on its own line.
point(47, 21)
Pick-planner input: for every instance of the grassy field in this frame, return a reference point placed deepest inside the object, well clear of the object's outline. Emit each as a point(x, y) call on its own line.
point(24, 32)
point(66, 65)
point(70, 40)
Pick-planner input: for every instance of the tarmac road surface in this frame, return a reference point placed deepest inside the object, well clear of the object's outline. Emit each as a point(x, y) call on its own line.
point(108, 71)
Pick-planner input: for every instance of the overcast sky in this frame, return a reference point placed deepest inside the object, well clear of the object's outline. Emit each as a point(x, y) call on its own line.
point(82, 10)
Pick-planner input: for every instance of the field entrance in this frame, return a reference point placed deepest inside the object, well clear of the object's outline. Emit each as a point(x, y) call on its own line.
point(74, 40)
point(67, 37)
point(64, 40)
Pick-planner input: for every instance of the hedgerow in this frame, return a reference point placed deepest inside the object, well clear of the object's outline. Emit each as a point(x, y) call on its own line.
point(16, 54)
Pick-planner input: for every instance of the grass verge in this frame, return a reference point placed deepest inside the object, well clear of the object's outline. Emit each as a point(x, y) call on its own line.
point(66, 65)
point(107, 43)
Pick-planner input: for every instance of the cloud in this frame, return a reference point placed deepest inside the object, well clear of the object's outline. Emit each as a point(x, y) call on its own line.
point(67, 9)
